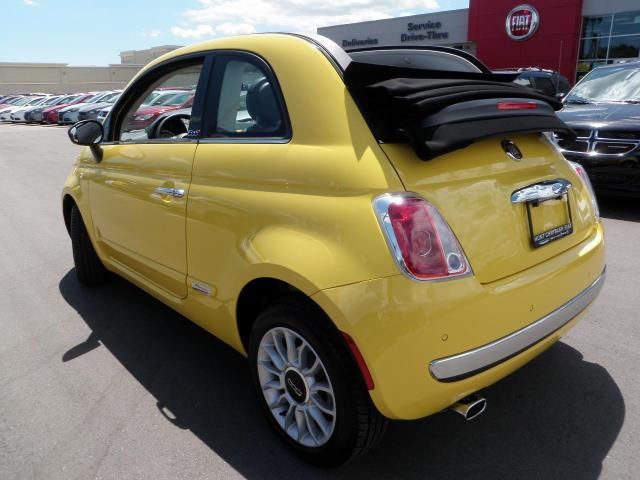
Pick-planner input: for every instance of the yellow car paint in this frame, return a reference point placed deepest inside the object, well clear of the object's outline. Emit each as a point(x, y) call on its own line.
point(399, 324)
point(301, 212)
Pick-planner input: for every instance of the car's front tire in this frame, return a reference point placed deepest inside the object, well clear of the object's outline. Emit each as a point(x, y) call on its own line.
point(309, 387)
point(89, 268)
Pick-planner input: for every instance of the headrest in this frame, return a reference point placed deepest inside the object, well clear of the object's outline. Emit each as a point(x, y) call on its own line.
point(262, 105)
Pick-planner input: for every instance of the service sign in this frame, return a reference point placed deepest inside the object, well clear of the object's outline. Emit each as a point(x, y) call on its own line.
point(522, 22)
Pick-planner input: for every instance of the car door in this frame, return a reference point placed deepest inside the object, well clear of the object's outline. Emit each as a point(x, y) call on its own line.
point(239, 171)
point(138, 191)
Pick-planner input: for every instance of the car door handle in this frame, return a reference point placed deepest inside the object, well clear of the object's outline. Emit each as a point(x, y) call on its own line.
point(541, 191)
point(174, 192)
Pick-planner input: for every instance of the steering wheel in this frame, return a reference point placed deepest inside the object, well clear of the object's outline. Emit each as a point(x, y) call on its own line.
point(172, 126)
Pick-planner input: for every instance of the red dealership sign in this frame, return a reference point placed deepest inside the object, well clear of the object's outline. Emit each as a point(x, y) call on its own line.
point(522, 22)
point(553, 44)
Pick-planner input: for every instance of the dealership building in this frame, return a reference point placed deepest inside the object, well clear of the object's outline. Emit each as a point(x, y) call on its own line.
point(571, 36)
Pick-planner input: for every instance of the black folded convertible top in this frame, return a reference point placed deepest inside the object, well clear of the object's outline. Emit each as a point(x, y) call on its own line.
point(441, 111)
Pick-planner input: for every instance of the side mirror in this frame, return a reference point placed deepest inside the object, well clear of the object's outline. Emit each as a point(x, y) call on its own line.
point(88, 133)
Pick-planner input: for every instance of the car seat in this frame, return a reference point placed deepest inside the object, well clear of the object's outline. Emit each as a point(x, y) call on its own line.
point(263, 107)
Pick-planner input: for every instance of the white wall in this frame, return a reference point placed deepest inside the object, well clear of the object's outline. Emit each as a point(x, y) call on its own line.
point(61, 78)
point(602, 7)
point(389, 31)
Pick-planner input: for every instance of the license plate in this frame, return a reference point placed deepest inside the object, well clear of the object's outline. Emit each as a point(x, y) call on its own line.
point(549, 220)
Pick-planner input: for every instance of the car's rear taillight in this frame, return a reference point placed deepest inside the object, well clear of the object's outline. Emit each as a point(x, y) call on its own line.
point(422, 243)
point(582, 173)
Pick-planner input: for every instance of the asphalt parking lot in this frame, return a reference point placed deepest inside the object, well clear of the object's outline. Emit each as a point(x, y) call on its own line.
point(108, 383)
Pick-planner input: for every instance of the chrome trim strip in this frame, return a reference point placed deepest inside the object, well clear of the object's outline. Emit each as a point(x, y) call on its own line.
point(472, 362)
point(599, 136)
point(245, 140)
point(202, 288)
point(540, 192)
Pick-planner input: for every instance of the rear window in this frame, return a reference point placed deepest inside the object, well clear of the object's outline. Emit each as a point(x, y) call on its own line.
point(544, 85)
point(420, 59)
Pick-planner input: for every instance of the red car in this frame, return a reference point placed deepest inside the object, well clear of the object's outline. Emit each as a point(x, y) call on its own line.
point(145, 116)
point(50, 115)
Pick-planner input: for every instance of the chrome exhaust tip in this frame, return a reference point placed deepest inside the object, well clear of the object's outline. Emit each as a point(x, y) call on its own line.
point(470, 407)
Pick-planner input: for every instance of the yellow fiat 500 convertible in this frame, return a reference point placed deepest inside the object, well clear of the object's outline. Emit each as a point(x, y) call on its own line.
point(382, 233)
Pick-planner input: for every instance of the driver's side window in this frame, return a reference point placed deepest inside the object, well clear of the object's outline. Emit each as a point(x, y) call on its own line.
point(163, 109)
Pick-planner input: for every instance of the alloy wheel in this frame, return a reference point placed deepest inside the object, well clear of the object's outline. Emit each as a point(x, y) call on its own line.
point(296, 387)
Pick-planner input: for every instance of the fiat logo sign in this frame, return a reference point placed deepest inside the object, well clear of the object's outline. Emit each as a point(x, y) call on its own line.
point(522, 22)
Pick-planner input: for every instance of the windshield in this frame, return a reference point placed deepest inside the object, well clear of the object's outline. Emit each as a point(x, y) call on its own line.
point(161, 98)
point(91, 99)
point(71, 99)
point(22, 101)
point(61, 101)
point(150, 98)
point(64, 100)
point(111, 98)
point(611, 84)
point(52, 101)
point(413, 58)
point(177, 99)
point(37, 101)
point(98, 97)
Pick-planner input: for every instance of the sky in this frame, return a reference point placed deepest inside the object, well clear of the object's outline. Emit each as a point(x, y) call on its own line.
point(94, 32)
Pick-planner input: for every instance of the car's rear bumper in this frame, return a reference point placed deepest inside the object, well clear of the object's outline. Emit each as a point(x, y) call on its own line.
point(427, 345)
point(464, 365)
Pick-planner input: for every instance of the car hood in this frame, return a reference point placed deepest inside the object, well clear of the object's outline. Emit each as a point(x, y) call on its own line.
point(35, 107)
point(156, 110)
point(56, 108)
point(11, 109)
point(624, 116)
point(22, 109)
point(73, 105)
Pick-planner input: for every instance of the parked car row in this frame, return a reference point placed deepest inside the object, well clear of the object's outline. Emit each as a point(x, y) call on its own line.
point(71, 108)
point(54, 109)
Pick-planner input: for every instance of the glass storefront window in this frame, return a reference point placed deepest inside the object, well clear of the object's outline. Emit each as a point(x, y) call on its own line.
point(591, 48)
point(596, 26)
point(624, 47)
point(607, 39)
point(626, 23)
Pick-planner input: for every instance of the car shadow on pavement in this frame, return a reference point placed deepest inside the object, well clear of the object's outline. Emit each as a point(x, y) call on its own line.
point(619, 208)
point(555, 418)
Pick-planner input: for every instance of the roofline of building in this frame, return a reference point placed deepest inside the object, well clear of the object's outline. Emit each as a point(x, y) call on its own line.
point(394, 18)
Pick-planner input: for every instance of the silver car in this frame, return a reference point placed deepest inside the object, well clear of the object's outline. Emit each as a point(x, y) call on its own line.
point(70, 114)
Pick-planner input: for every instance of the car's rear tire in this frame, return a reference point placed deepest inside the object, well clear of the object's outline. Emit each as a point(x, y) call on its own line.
point(319, 404)
point(89, 268)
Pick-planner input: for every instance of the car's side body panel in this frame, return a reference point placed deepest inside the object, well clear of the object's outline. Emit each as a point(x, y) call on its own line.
point(298, 209)
point(328, 172)
point(136, 225)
